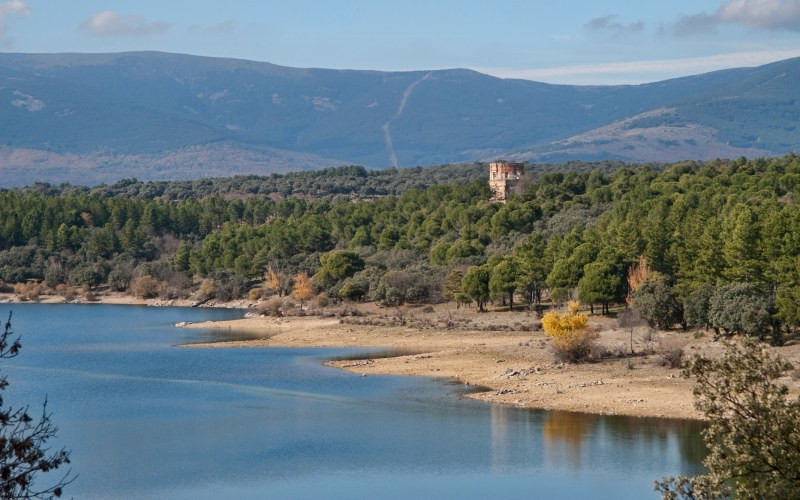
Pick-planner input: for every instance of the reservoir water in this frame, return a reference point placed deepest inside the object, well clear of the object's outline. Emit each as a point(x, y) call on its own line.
point(147, 419)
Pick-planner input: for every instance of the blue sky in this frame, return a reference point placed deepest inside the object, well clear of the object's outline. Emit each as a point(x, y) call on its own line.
point(571, 41)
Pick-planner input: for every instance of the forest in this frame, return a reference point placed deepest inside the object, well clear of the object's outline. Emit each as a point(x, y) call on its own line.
point(718, 242)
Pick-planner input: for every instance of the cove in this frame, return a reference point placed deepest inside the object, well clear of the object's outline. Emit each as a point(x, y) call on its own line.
point(147, 419)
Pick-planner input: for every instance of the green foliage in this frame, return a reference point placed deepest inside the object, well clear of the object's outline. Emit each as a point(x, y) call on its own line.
point(398, 287)
point(87, 274)
point(602, 280)
point(753, 431)
point(568, 269)
point(740, 308)
point(452, 286)
point(354, 289)
point(22, 263)
point(741, 248)
point(338, 265)
point(181, 258)
point(476, 284)
point(700, 223)
point(121, 275)
point(503, 280)
point(656, 302)
point(697, 305)
point(54, 275)
point(532, 266)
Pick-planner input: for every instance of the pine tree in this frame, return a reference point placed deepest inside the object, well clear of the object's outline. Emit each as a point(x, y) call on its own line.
point(503, 280)
point(741, 249)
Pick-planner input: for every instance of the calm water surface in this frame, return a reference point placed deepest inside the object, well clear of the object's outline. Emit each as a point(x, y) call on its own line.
point(146, 419)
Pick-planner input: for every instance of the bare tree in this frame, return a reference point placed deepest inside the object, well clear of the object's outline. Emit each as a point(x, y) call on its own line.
point(630, 319)
point(23, 451)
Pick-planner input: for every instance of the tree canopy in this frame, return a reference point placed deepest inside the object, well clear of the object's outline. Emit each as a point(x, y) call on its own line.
point(700, 225)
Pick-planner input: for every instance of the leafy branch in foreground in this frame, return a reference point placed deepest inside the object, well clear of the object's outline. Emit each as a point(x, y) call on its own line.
point(754, 429)
point(23, 453)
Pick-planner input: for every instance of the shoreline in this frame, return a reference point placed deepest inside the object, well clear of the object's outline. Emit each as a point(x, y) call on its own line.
point(479, 350)
point(515, 368)
point(119, 298)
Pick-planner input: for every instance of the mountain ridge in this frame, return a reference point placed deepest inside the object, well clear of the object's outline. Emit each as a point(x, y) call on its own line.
point(80, 116)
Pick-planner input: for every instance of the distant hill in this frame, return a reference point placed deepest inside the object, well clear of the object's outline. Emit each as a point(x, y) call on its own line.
point(89, 118)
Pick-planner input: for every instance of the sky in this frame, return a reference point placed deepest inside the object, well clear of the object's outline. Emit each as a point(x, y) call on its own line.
point(585, 42)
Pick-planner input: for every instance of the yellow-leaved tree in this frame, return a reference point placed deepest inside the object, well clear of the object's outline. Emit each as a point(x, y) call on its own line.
point(277, 281)
point(572, 337)
point(303, 288)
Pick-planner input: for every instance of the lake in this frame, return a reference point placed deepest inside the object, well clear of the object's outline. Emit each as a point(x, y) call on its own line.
point(147, 419)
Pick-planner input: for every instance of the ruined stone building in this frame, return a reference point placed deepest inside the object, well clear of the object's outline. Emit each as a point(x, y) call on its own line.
point(503, 176)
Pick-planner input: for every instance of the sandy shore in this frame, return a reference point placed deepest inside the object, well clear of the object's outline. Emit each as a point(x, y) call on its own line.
point(484, 350)
point(517, 368)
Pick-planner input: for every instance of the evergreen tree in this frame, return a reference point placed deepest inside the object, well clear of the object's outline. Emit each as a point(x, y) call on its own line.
point(476, 284)
point(503, 280)
point(741, 249)
point(532, 270)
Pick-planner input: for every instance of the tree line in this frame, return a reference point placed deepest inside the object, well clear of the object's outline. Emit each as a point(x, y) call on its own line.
point(724, 234)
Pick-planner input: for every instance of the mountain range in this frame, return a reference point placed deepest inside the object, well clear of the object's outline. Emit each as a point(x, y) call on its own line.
point(90, 118)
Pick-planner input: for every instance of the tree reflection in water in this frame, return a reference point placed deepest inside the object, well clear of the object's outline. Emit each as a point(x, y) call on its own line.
point(564, 433)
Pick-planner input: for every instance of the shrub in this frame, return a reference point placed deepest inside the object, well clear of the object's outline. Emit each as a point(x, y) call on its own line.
point(670, 355)
point(229, 286)
point(87, 274)
point(573, 341)
point(740, 308)
point(120, 276)
point(54, 275)
point(146, 287)
point(65, 291)
point(255, 294)
point(322, 300)
point(207, 289)
point(275, 306)
point(753, 431)
point(33, 290)
point(657, 303)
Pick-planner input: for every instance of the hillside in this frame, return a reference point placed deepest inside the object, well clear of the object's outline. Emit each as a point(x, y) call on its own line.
point(91, 118)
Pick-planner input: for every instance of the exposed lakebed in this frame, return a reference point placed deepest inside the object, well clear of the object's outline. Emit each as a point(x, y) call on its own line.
point(146, 419)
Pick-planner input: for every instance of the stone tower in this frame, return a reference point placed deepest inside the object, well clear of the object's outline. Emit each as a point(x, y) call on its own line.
point(503, 176)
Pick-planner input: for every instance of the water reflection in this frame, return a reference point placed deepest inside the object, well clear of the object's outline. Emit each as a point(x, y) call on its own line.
point(501, 454)
point(564, 433)
point(228, 335)
point(148, 420)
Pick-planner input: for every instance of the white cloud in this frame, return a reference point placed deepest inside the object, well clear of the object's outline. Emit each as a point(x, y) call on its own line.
point(642, 71)
point(12, 8)
point(109, 23)
point(764, 14)
point(758, 14)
